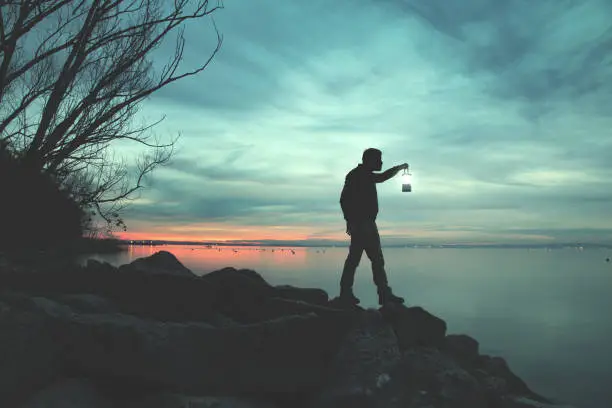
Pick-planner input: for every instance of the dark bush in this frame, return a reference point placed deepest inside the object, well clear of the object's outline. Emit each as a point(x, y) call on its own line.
point(35, 212)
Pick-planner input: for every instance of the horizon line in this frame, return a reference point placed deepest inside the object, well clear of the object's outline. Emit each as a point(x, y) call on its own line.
point(331, 243)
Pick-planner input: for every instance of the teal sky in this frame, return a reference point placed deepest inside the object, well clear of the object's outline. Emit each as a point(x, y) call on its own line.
point(502, 110)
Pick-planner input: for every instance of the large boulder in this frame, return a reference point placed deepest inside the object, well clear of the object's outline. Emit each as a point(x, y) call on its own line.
point(414, 326)
point(371, 371)
point(238, 280)
point(244, 296)
point(42, 338)
point(93, 265)
point(239, 294)
point(361, 366)
point(284, 355)
point(341, 304)
point(426, 377)
point(165, 297)
point(462, 347)
point(313, 296)
point(30, 350)
point(495, 373)
point(160, 263)
point(253, 275)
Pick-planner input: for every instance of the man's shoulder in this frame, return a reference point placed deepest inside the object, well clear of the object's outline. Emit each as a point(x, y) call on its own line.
point(358, 173)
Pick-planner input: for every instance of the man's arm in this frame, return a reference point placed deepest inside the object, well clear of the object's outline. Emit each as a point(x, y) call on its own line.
point(347, 198)
point(347, 202)
point(386, 175)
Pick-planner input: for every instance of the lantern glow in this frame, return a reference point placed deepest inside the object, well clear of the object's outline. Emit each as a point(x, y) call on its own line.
point(406, 178)
point(406, 182)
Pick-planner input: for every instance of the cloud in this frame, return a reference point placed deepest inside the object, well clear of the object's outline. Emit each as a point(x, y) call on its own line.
point(535, 50)
point(501, 109)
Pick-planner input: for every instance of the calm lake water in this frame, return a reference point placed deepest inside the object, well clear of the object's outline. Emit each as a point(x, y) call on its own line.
point(547, 312)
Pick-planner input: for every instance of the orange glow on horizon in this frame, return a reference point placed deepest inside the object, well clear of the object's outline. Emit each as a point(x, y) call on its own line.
point(234, 234)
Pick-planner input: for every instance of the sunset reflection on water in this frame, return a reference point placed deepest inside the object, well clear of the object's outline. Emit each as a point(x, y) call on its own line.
point(277, 265)
point(239, 257)
point(203, 259)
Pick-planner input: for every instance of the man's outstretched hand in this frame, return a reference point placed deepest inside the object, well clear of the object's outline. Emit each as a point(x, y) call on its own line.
point(401, 167)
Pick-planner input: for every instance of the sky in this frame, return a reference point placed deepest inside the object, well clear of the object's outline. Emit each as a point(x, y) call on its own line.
point(501, 109)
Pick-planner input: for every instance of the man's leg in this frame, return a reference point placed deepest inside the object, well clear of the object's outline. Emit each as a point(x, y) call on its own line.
point(374, 251)
point(350, 266)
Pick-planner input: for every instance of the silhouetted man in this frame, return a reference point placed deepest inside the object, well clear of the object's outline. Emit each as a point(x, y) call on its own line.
point(359, 202)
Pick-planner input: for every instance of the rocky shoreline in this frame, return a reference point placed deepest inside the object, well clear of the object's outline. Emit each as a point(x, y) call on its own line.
point(153, 334)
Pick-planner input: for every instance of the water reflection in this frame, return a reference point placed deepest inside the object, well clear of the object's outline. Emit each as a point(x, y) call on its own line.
point(203, 259)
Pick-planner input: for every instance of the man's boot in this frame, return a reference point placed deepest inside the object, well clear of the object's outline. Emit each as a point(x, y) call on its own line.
point(347, 296)
point(385, 295)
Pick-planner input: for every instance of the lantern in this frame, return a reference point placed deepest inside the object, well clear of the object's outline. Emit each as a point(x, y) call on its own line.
point(406, 181)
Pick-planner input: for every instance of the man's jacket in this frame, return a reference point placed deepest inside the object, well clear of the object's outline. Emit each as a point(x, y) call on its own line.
point(359, 199)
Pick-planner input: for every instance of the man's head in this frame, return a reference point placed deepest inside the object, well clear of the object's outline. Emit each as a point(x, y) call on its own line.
point(372, 159)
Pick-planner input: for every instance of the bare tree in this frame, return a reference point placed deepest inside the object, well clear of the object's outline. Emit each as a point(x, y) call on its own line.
point(72, 76)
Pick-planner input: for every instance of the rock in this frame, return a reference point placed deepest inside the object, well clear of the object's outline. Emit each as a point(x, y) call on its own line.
point(244, 296)
point(163, 297)
point(461, 346)
point(415, 327)
point(495, 388)
point(249, 273)
point(283, 355)
point(94, 265)
point(308, 295)
point(4, 262)
point(87, 303)
point(242, 278)
point(160, 263)
point(69, 393)
point(498, 367)
point(523, 402)
point(238, 279)
point(169, 400)
point(277, 307)
point(361, 367)
point(22, 302)
point(425, 377)
point(219, 320)
point(337, 303)
point(239, 295)
point(371, 371)
point(30, 355)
